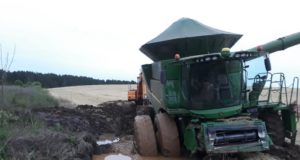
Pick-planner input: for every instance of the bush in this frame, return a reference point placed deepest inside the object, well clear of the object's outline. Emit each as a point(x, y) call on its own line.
point(6, 117)
point(15, 124)
point(19, 83)
point(36, 84)
point(15, 111)
point(29, 97)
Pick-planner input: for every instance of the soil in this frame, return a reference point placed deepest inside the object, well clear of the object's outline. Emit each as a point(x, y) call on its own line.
point(109, 117)
point(116, 119)
point(52, 145)
point(287, 152)
point(80, 127)
point(72, 133)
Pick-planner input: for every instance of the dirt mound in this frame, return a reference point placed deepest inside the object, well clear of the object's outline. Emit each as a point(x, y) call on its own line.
point(72, 131)
point(109, 117)
point(64, 117)
point(52, 145)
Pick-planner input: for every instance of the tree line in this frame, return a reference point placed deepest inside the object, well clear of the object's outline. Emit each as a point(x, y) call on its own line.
point(50, 80)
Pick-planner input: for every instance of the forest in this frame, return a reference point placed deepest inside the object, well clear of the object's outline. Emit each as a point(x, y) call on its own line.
point(51, 80)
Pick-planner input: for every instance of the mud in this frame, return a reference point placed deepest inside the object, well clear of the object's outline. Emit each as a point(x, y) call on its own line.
point(286, 152)
point(52, 145)
point(82, 126)
point(72, 133)
point(109, 117)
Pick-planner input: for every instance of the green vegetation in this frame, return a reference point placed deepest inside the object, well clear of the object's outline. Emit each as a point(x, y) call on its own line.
point(27, 97)
point(51, 80)
point(16, 118)
point(15, 124)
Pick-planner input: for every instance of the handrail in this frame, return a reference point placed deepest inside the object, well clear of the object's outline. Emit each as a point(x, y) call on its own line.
point(296, 79)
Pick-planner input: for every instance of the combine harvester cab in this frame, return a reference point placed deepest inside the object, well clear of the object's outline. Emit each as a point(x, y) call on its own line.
point(198, 90)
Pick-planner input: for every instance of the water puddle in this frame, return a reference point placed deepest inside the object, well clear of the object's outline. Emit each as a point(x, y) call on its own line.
point(106, 141)
point(122, 148)
point(117, 157)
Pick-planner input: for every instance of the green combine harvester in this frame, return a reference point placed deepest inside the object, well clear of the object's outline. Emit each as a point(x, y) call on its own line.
point(203, 99)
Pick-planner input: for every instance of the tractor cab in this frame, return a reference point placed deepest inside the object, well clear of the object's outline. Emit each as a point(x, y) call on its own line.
point(212, 84)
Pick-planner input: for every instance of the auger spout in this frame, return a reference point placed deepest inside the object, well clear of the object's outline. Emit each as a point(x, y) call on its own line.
point(279, 44)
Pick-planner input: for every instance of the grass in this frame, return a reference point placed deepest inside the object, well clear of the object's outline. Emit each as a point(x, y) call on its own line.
point(15, 112)
point(26, 97)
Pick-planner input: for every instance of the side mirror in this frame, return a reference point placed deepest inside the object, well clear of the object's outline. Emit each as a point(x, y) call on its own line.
point(268, 64)
point(246, 91)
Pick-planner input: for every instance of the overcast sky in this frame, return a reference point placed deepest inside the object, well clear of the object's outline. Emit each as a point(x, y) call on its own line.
point(101, 39)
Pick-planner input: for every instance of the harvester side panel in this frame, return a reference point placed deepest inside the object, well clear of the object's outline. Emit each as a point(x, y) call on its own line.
point(147, 72)
point(156, 94)
point(156, 70)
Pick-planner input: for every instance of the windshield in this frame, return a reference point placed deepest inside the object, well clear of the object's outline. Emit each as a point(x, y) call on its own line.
point(213, 85)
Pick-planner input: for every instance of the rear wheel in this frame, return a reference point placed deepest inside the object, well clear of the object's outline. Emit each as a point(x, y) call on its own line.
point(275, 126)
point(145, 141)
point(145, 110)
point(167, 135)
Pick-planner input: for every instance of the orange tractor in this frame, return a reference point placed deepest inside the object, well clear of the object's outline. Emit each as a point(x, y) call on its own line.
point(139, 94)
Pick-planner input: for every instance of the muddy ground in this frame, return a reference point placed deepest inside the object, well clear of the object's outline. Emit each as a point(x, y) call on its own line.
point(74, 132)
point(71, 133)
point(109, 117)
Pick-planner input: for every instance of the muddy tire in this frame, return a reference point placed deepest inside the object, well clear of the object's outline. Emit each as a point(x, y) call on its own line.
point(144, 135)
point(145, 110)
point(167, 135)
point(275, 126)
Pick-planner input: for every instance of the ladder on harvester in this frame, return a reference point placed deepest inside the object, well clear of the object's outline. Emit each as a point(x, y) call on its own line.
point(275, 91)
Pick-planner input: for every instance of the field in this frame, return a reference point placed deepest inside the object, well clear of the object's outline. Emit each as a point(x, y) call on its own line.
point(96, 94)
point(90, 94)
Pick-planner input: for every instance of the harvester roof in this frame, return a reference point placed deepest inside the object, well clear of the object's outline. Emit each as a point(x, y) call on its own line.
point(188, 37)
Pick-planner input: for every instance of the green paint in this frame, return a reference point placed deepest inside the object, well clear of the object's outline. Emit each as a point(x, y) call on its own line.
point(289, 119)
point(172, 96)
point(190, 139)
point(174, 71)
point(218, 113)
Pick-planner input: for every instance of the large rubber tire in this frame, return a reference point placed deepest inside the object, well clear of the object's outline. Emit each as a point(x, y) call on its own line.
point(144, 135)
point(145, 110)
point(167, 135)
point(275, 126)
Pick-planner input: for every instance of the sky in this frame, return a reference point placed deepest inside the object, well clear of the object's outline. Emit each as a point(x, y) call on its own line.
point(101, 39)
